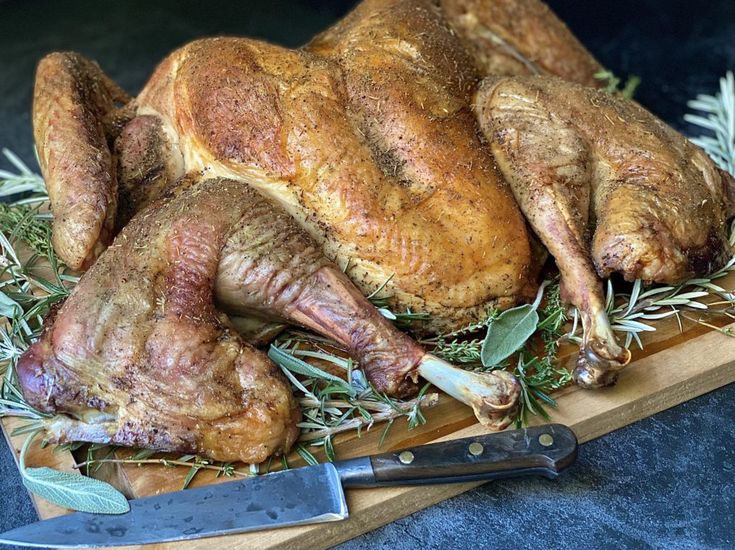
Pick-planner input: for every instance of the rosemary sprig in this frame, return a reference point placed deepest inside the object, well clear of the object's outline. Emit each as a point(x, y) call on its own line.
point(24, 181)
point(333, 404)
point(718, 121)
point(193, 463)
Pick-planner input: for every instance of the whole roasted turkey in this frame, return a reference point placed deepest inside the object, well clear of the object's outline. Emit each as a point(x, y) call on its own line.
point(250, 180)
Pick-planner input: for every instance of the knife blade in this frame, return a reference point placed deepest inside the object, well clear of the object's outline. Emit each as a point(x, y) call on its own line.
point(311, 494)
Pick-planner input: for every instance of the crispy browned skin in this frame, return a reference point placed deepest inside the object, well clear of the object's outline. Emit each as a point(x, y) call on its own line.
point(608, 188)
point(278, 119)
point(519, 37)
point(369, 142)
point(73, 108)
point(457, 240)
point(139, 356)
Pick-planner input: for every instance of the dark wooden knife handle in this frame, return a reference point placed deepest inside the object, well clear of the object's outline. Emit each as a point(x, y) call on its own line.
point(542, 450)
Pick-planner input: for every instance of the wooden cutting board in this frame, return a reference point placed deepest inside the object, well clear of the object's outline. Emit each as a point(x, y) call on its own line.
point(676, 364)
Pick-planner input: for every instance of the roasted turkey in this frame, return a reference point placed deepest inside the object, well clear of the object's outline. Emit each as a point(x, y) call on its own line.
point(250, 180)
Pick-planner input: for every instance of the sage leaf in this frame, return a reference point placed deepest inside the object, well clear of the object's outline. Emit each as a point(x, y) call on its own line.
point(508, 333)
point(75, 491)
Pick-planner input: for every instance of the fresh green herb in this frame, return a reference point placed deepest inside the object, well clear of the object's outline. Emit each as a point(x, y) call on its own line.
point(24, 181)
point(632, 313)
point(510, 330)
point(73, 491)
point(403, 320)
point(508, 333)
point(612, 84)
point(718, 122)
point(295, 365)
point(537, 371)
point(457, 346)
point(143, 458)
point(333, 404)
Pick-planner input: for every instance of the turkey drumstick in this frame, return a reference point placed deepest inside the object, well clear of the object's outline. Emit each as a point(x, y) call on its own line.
point(271, 267)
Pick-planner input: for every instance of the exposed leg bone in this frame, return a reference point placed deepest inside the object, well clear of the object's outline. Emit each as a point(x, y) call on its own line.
point(493, 395)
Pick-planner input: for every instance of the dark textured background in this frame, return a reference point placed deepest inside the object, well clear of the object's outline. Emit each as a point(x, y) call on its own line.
point(665, 482)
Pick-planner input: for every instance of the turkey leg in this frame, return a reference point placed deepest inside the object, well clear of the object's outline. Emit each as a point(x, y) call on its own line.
point(547, 165)
point(139, 356)
point(271, 267)
point(609, 188)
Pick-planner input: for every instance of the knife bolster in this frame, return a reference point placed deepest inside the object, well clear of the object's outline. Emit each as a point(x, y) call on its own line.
point(356, 472)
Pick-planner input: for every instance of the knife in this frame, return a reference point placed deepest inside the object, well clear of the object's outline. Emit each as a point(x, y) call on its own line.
point(312, 494)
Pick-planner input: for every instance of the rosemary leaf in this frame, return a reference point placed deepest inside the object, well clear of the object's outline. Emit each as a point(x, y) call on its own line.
point(288, 361)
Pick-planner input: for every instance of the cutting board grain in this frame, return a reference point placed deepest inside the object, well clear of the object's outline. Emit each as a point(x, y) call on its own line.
point(677, 363)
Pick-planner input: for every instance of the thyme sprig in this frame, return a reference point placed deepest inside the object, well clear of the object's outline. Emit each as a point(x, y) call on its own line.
point(464, 345)
point(613, 83)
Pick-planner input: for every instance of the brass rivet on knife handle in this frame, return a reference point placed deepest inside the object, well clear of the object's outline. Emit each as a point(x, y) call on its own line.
point(546, 440)
point(406, 457)
point(476, 448)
